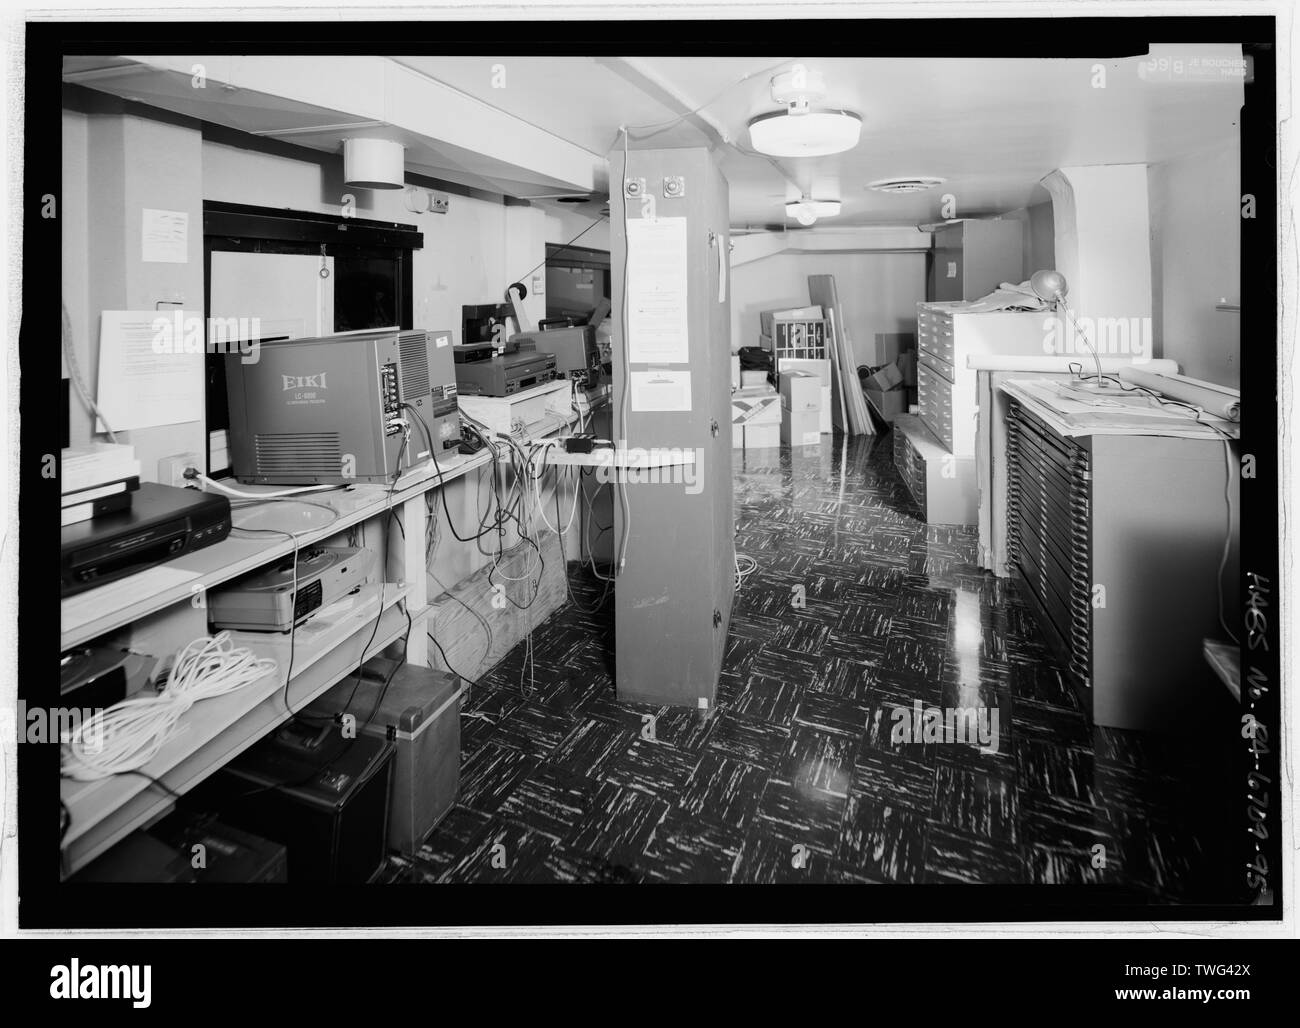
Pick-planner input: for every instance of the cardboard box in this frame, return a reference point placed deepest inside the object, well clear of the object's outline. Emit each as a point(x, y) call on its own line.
point(766, 318)
point(735, 371)
point(801, 391)
point(822, 369)
point(751, 378)
point(758, 437)
point(756, 407)
point(885, 379)
point(800, 428)
point(906, 364)
point(889, 403)
point(765, 342)
point(892, 345)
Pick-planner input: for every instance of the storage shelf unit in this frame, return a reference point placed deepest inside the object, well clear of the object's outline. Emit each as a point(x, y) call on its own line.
point(218, 730)
point(801, 339)
point(1116, 542)
point(104, 811)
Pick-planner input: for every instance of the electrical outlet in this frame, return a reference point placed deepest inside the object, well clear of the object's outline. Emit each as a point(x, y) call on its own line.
point(171, 470)
point(439, 203)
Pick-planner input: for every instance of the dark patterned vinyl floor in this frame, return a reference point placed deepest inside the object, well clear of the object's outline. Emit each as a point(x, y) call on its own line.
point(798, 774)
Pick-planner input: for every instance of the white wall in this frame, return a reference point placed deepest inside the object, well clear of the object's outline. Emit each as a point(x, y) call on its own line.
point(114, 167)
point(562, 226)
point(74, 226)
point(470, 254)
point(1037, 242)
point(878, 292)
point(1195, 205)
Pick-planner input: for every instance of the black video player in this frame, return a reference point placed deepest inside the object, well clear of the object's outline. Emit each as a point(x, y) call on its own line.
point(163, 522)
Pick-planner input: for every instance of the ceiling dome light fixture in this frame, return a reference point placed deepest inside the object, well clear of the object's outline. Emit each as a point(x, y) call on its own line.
point(802, 130)
point(806, 211)
point(808, 134)
point(910, 184)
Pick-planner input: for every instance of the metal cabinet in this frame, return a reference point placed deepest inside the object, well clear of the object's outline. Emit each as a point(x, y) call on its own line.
point(971, 258)
point(1116, 542)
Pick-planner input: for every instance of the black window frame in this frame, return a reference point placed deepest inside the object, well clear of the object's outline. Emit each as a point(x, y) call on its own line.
point(243, 228)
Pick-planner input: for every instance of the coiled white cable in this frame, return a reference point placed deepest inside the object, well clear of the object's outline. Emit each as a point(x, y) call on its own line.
point(745, 566)
point(129, 734)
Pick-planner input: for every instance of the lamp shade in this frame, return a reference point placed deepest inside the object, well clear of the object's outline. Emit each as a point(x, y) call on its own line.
point(1049, 285)
point(374, 163)
point(806, 134)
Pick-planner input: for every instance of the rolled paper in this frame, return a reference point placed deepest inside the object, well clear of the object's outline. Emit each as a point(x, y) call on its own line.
point(1220, 401)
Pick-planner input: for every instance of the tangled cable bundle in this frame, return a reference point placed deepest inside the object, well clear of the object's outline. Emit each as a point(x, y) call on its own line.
point(129, 734)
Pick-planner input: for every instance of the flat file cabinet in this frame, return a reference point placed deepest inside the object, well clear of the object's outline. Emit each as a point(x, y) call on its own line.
point(1116, 542)
point(947, 335)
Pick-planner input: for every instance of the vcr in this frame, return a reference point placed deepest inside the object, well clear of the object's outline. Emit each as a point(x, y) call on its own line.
point(163, 523)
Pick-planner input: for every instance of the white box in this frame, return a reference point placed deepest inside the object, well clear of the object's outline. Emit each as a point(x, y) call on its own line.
point(762, 436)
point(756, 407)
point(800, 390)
point(822, 369)
point(800, 428)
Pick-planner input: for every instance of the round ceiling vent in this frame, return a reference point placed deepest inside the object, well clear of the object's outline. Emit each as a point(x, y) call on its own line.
point(910, 184)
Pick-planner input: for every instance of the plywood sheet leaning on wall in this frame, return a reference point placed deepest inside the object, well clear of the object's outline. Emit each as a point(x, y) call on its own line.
point(855, 418)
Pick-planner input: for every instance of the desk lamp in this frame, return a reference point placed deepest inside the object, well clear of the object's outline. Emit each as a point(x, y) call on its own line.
point(1052, 287)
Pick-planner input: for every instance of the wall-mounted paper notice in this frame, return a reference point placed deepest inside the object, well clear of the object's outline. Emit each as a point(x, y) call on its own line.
point(150, 368)
point(656, 291)
point(660, 390)
point(164, 236)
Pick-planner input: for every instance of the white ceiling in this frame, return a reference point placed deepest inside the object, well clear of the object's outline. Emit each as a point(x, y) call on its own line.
point(991, 128)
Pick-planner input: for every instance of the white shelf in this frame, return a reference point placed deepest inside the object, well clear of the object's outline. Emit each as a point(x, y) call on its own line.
point(110, 607)
point(217, 730)
point(326, 650)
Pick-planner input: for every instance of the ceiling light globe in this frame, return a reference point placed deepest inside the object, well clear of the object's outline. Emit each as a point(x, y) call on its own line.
point(810, 134)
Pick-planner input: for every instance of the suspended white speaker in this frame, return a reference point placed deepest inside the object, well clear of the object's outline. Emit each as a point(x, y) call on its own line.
point(373, 163)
